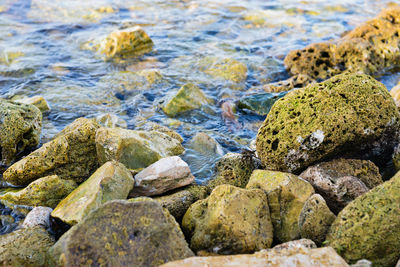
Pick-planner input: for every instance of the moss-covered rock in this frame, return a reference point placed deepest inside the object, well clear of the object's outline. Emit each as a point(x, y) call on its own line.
point(231, 220)
point(152, 126)
point(71, 155)
point(111, 181)
point(111, 121)
point(122, 233)
point(225, 68)
point(38, 101)
point(47, 191)
point(20, 129)
point(315, 219)
point(369, 227)
point(135, 149)
point(25, 247)
point(287, 194)
point(188, 97)
point(349, 114)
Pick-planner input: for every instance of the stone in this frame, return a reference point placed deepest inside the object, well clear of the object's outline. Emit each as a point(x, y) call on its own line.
point(259, 103)
point(152, 126)
point(179, 201)
point(206, 145)
point(231, 220)
point(71, 155)
point(225, 68)
point(396, 158)
point(162, 176)
point(342, 180)
point(38, 216)
point(122, 233)
point(315, 219)
point(135, 149)
point(322, 257)
point(20, 129)
point(25, 247)
point(295, 244)
point(234, 169)
point(287, 194)
point(111, 121)
point(369, 226)
point(298, 132)
point(395, 93)
point(38, 101)
point(46, 191)
point(188, 97)
point(362, 263)
point(111, 181)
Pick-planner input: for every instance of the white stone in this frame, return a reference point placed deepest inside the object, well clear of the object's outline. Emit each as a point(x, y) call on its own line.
point(38, 216)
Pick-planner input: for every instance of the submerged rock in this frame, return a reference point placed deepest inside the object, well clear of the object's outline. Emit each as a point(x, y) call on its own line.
point(71, 155)
point(152, 126)
point(111, 181)
point(349, 114)
point(259, 103)
point(20, 129)
point(231, 220)
point(111, 121)
point(287, 194)
point(206, 145)
point(369, 227)
point(122, 233)
point(225, 68)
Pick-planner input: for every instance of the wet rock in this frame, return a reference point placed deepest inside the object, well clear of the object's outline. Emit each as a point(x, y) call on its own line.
point(298, 133)
point(206, 145)
point(179, 201)
point(47, 191)
point(297, 81)
point(152, 126)
point(122, 233)
point(111, 121)
point(259, 103)
point(25, 247)
point(315, 219)
point(162, 176)
point(396, 158)
point(395, 93)
point(369, 227)
point(111, 181)
point(38, 216)
point(323, 257)
point(342, 180)
point(189, 97)
point(225, 68)
point(71, 155)
point(38, 101)
point(231, 220)
point(295, 244)
point(234, 169)
point(19, 130)
point(287, 194)
point(135, 149)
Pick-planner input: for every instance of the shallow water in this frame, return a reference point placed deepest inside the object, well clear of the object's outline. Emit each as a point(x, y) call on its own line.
point(42, 41)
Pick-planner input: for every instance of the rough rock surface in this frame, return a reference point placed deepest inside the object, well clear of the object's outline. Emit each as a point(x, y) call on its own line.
point(162, 176)
point(349, 114)
point(206, 145)
point(225, 68)
point(342, 180)
point(38, 216)
point(152, 126)
point(111, 121)
point(369, 227)
point(38, 101)
point(287, 194)
point(231, 220)
point(111, 181)
point(71, 155)
point(20, 129)
point(122, 233)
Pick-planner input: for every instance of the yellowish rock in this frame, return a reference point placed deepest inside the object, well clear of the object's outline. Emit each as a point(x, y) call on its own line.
point(38, 101)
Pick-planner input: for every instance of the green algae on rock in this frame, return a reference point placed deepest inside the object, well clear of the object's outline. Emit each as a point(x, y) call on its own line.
point(225, 68)
point(369, 227)
point(111, 121)
point(38, 101)
point(259, 103)
point(111, 181)
point(47, 191)
point(71, 155)
point(349, 114)
point(152, 126)
point(287, 194)
point(20, 129)
point(231, 220)
point(188, 97)
point(122, 233)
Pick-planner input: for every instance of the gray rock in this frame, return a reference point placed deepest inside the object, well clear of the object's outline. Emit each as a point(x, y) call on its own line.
point(38, 216)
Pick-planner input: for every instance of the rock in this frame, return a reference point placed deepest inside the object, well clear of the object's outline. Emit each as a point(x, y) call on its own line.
point(362, 263)
point(298, 133)
point(298, 81)
point(19, 130)
point(46, 191)
point(131, 42)
point(231, 220)
point(189, 97)
point(135, 149)
point(206, 145)
point(111, 121)
point(225, 68)
point(179, 201)
point(396, 158)
point(38, 101)
point(111, 181)
point(234, 169)
point(152, 126)
point(398, 263)
point(342, 180)
point(321, 257)
point(315, 219)
point(369, 226)
point(25, 247)
point(259, 103)
point(71, 155)
point(122, 233)
point(162, 176)
point(38, 216)
point(295, 244)
point(395, 93)
point(287, 194)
